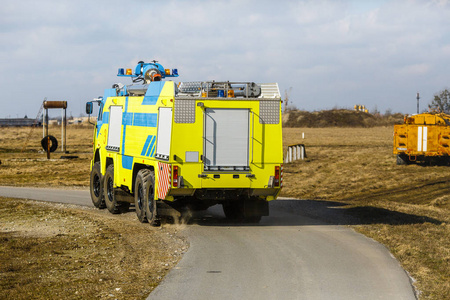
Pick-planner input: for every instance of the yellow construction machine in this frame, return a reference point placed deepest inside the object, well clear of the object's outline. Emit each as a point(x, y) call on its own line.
point(423, 138)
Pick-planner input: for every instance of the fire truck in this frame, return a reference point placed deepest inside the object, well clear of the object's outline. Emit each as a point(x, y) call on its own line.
point(166, 146)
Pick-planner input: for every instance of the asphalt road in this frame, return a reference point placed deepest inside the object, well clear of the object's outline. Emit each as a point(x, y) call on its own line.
point(286, 256)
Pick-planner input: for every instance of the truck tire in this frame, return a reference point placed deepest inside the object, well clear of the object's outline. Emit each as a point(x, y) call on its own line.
point(247, 210)
point(253, 219)
point(53, 141)
point(149, 199)
point(233, 210)
point(96, 187)
point(402, 159)
point(141, 184)
point(124, 207)
point(108, 191)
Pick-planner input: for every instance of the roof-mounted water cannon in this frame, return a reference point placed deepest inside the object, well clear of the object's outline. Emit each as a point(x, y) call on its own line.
point(148, 72)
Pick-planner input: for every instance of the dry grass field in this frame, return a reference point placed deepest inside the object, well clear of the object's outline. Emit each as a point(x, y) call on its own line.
point(31, 167)
point(351, 171)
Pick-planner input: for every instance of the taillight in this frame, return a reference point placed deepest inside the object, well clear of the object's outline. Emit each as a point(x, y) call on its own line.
point(277, 177)
point(175, 176)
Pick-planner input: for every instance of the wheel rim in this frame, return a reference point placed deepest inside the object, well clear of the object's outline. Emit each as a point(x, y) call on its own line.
point(96, 185)
point(110, 189)
point(140, 196)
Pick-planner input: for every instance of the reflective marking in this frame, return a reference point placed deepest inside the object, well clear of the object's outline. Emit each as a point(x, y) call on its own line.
point(140, 119)
point(419, 138)
point(425, 138)
point(164, 176)
point(151, 146)
point(147, 142)
point(148, 146)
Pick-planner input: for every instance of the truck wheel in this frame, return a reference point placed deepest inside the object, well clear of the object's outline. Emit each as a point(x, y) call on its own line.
point(149, 198)
point(253, 219)
point(124, 207)
point(96, 187)
point(139, 194)
point(247, 210)
point(233, 210)
point(108, 184)
point(402, 159)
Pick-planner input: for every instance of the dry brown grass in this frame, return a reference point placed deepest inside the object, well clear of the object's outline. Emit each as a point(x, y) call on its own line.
point(31, 167)
point(55, 251)
point(404, 207)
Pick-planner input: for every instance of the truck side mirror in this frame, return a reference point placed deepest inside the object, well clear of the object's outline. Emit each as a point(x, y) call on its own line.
point(89, 108)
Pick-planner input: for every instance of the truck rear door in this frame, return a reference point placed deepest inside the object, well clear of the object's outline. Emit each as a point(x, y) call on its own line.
point(226, 139)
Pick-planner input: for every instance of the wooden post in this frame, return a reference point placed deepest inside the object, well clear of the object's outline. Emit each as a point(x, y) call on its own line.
point(63, 131)
point(48, 145)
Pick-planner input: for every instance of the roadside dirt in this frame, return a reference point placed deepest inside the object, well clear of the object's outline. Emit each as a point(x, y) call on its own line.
point(57, 251)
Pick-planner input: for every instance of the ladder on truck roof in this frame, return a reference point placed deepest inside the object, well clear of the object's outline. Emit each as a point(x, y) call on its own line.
point(242, 89)
point(269, 90)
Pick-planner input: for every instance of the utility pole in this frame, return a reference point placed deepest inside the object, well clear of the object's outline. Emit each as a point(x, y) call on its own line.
point(286, 98)
point(418, 102)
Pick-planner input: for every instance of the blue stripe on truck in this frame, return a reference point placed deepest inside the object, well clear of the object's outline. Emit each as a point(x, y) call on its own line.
point(147, 142)
point(152, 145)
point(153, 92)
point(127, 162)
point(148, 146)
point(139, 119)
point(145, 119)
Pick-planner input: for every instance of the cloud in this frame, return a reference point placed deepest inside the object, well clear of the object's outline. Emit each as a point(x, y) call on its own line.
point(329, 51)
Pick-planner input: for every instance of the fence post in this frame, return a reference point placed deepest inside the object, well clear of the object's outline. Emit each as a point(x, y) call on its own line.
point(295, 152)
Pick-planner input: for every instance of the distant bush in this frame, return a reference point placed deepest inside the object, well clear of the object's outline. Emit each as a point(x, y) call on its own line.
point(338, 118)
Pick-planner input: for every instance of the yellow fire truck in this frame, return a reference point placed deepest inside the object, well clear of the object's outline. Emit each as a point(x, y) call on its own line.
point(423, 138)
point(164, 146)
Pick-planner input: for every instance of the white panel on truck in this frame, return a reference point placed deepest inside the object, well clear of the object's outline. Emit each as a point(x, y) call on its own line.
point(164, 133)
point(115, 126)
point(226, 139)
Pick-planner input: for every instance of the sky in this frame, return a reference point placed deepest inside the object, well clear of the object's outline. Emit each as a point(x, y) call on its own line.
point(323, 54)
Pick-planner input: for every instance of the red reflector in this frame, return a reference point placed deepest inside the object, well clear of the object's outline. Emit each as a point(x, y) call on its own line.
point(277, 176)
point(175, 176)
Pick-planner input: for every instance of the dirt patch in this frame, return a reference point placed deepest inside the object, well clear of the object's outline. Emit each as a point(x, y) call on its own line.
point(64, 251)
